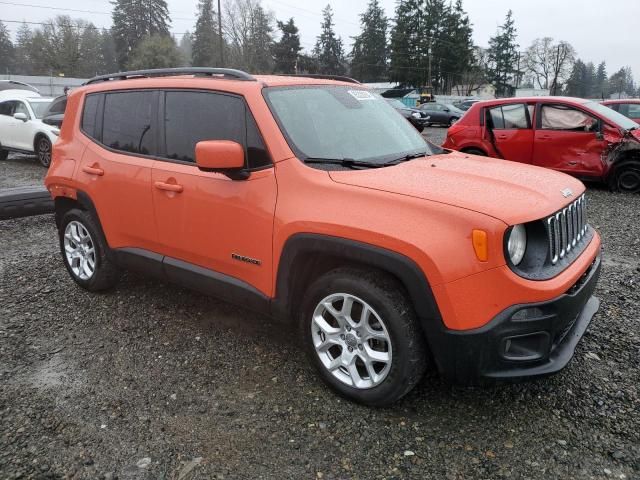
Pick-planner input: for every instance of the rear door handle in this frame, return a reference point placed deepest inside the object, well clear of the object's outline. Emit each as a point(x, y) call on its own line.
point(93, 171)
point(169, 187)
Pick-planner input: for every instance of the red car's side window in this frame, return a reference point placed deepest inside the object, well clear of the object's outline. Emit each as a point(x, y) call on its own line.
point(560, 117)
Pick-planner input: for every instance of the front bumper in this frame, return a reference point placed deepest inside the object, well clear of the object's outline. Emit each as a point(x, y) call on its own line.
point(528, 340)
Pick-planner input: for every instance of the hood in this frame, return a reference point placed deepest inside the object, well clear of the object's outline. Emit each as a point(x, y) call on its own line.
point(509, 191)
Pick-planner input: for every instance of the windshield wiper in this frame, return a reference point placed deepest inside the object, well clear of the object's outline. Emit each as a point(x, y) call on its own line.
point(345, 162)
point(405, 158)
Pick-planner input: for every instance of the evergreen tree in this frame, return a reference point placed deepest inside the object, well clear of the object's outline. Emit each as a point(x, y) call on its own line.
point(108, 52)
point(503, 57)
point(155, 51)
point(622, 84)
point(186, 49)
point(601, 87)
point(206, 40)
point(21, 51)
point(249, 29)
point(286, 50)
point(133, 20)
point(91, 62)
point(328, 51)
point(261, 41)
point(369, 54)
point(405, 50)
point(7, 51)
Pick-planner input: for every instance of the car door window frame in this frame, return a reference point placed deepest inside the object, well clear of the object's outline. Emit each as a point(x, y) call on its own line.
point(541, 105)
point(162, 154)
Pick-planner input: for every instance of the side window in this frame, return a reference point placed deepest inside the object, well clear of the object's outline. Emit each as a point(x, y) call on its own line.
point(631, 110)
point(510, 117)
point(560, 117)
point(127, 123)
point(89, 115)
point(256, 150)
point(191, 117)
point(58, 106)
point(21, 108)
point(6, 108)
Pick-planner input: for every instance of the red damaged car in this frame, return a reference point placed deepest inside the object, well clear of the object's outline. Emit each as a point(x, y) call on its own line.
point(575, 136)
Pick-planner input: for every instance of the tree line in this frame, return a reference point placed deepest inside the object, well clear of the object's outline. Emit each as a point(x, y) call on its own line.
point(427, 43)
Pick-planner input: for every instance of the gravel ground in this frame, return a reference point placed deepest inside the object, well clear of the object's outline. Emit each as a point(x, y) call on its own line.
point(151, 381)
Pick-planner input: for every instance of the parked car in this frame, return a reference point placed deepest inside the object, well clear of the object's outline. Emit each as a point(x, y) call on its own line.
point(629, 107)
point(55, 112)
point(441, 113)
point(416, 117)
point(311, 200)
point(465, 104)
point(22, 128)
point(580, 137)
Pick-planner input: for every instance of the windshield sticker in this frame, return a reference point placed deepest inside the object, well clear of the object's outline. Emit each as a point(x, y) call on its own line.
point(361, 95)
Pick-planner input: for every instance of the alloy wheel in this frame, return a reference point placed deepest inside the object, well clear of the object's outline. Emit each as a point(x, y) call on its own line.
point(351, 340)
point(44, 152)
point(79, 250)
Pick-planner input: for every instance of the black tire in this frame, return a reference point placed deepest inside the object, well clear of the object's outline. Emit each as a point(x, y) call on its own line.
point(626, 177)
point(105, 273)
point(453, 120)
point(3, 154)
point(43, 150)
point(389, 300)
point(474, 151)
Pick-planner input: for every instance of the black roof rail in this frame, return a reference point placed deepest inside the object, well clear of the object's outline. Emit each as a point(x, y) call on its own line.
point(340, 78)
point(229, 73)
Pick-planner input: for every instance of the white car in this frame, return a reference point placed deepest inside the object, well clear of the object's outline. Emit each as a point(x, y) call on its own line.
point(22, 128)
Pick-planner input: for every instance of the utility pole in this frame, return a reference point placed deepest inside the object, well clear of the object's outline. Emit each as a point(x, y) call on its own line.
point(429, 82)
point(220, 35)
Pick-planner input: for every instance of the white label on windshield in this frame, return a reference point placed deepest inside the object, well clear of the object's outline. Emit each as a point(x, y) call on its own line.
point(361, 95)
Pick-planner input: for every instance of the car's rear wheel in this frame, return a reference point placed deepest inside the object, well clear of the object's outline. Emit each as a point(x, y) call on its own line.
point(361, 333)
point(627, 177)
point(43, 150)
point(84, 252)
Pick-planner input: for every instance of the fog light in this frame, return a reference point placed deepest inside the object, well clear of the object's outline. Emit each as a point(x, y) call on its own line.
point(532, 346)
point(527, 314)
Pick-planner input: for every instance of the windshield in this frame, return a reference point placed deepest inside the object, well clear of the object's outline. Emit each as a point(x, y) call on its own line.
point(39, 108)
point(340, 122)
point(611, 115)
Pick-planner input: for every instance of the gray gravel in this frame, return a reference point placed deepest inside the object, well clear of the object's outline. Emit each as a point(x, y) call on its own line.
point(151, 381)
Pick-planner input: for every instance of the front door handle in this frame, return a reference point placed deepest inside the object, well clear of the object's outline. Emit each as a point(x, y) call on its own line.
point(94, 170)
point(169, 187)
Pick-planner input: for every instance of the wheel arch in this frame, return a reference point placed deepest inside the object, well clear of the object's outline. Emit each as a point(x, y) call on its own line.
point(305, 257)
point(83, 202)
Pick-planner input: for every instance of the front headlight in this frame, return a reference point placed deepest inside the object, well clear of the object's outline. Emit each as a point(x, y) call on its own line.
point(517, 244)
point(416, 115)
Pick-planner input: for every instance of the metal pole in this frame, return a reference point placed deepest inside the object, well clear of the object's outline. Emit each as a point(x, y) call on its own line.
point(220, 35)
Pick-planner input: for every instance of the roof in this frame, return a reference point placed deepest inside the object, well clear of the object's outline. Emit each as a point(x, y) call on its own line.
point(500, 101)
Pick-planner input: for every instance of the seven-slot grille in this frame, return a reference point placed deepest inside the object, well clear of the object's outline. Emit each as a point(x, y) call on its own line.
point(566, 228)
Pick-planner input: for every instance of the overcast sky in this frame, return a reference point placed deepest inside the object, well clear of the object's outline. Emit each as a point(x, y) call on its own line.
point(598, 30)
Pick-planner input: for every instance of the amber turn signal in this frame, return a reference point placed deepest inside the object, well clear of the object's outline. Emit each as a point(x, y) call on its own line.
point(480, 244)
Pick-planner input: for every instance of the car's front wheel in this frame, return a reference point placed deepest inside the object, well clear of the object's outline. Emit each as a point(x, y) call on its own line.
point(361, 333)
point(84, 252)
point(43, 150)
point(626, 177)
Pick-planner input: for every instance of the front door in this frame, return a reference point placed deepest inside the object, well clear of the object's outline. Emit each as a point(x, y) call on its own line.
point(209, 224)
point(568, 139)
point(115, 170)
point(510, 131)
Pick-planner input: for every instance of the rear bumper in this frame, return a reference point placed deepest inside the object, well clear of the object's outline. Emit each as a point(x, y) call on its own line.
point(528, 340)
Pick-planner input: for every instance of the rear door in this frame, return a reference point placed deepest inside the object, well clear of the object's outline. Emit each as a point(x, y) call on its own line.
point(23, 132)
point(115, 170)
point(510, 131)
point(567, 139)
point(206, 220)
point(7, 124)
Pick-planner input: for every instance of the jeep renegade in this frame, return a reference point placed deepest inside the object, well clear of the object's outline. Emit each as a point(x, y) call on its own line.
point(314, 201)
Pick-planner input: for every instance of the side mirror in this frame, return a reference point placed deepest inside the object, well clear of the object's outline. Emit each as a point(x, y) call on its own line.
point(221, 156)
point(21, 116)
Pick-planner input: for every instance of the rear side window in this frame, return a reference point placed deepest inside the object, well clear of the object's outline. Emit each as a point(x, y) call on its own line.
point(127, 122)
point(191, 117)
point(510, 117)
point(630, 110)
point(89, 115)
point(57, 106)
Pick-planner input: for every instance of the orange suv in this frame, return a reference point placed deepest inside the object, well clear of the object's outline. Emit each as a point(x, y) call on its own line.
point(312, 200)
